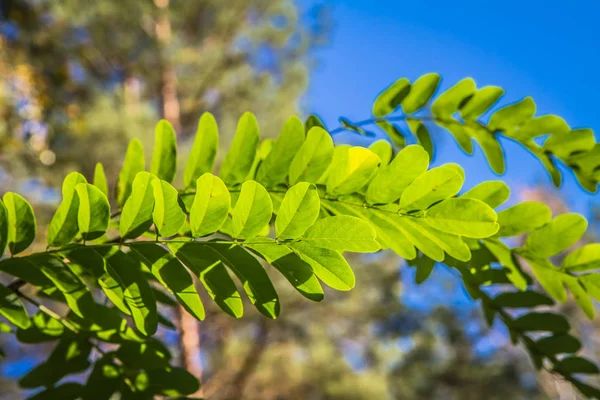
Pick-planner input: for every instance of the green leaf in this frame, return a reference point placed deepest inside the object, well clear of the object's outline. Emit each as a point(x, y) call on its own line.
point(241, 154)
point(427, 244)
point(21, 223)
point(3, 228)
point(567, 144)
point(136, 290)
point(465, 217)
point(481, 101)
point(558, 344)
point(70, 356)
point(22, 268)
point(136, 217)
point(291, 266)
point(580, 295)
point(393, 132)
point(541, 321)
point(523, 217)
point(12, 309)
point(585, 258)
point(252, 211)
point(255, 280)
point(461, 133)
point(274, 169)
point(450, 101)
point(43, 329)
point(313, 157)
point(451, 244)
point(424, 267)
point(134, 163)
point(342, 233)
point(211, 271)
point(173, 382)
point(418, 128)
point(164, 157)
point(312, 121)
point(211, 205)
point(505, 257)
point(556, 236)
point(168, 214)
point(65, 391)
point(434, 185)
point(492, 193)
point(512, 115)
point(298, 211)
point(329, 266)
point(100, 179)
point(391, 97)
point(549, 277)
point(576, 365)
point(94, 211)
point(544, 125)
point(490, 146)
point(421, 91)
point(172, 275)
point(392, 236)
point(391, 181)
point(527, 299)
point(78, 296)
point(104, 380)
point(204, 150)
point(384, 151)
point(351, 169)
point(63, 227)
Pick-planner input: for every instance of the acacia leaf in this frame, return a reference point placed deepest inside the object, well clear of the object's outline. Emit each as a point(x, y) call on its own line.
point(203, 151)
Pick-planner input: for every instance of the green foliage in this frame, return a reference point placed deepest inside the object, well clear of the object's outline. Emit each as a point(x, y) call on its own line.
point(323, 201)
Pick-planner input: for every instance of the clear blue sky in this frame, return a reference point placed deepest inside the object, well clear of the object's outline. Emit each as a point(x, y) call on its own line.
point(546, 49)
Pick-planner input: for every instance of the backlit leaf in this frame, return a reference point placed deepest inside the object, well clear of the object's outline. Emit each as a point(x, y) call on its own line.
point(210, 269)
point(172, 275)
point(241, 154)
point(421, 91)
point(493, 193)
point(450, 101)
point(164, 157)
point(313, 157)
point(274, 168)
point(93, 216)
point(391, 97)
point(342, 233)
point(211, 205)
point(136, 217)
point(391, 181)
point(298, 211)
point(134, 163)
point(21, 223)
point(168, 214)
point(557, 235)
point(351, 169)
point(100, 179)
point(329, 265)
point(432, 186)
point(203, 151)
point(252, 211)
point(63, 227)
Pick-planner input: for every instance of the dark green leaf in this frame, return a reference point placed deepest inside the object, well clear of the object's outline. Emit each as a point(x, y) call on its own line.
point(12, 309)
point(541, 321)
point(209, 268)
point(171, 274)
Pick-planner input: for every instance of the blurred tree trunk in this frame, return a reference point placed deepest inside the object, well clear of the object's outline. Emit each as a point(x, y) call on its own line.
point(170, 108)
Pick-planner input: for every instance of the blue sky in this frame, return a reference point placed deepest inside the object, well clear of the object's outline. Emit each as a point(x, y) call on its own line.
point(549, 50)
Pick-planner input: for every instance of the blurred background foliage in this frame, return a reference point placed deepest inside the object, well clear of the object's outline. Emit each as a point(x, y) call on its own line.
point(80, 78)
